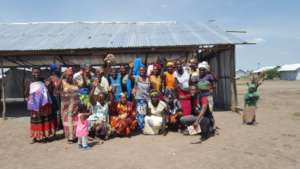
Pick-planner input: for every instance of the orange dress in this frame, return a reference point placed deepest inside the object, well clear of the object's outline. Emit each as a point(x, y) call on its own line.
point(155, 82)
point(169, 81)
point(125, 122)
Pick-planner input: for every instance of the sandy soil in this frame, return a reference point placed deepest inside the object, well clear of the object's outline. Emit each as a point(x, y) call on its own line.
point(273, 143)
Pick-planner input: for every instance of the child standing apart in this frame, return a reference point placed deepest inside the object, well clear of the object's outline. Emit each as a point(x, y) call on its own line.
point(82, 130)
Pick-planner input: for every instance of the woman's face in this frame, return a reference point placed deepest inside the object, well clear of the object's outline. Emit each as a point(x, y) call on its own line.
point(142, 71)
point(101, 97)
point(202, 72)
point(155, 71)
point(99, 73)
point(123, 99)
point(123, 70)
point(36, 73)
point(155, 100)
point(170, 69)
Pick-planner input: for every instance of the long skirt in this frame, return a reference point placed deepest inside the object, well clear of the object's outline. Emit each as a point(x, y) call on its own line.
point(70, 123)
point(249, 116)
point(42, 123)
point(141, 109)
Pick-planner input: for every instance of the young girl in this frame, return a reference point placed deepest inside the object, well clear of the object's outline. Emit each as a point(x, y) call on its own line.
point(82, 130)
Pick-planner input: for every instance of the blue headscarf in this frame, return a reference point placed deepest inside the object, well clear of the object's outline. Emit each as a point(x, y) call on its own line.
point(137, 64)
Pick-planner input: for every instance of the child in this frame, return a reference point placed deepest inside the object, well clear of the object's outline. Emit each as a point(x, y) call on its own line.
point(174, 111)
point(82, 131)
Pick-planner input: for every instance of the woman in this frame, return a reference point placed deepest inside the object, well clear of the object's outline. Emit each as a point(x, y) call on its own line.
point(203, 117)
point(115, 82)
point(54, 94)
point(42, 123)
point(155, 78)
point(69, 104)
point(182, 87)
point(103, 85)
point(124, 123)
point(156, 118)
point(169, 79)
point(99, 120)
point(194, 73)
point(141, 89)
point(174, 111)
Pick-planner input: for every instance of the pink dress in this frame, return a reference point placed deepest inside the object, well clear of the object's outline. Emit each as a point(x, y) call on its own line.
point(82, 127)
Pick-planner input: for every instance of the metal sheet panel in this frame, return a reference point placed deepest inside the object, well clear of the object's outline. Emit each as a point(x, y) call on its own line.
point(86, 35)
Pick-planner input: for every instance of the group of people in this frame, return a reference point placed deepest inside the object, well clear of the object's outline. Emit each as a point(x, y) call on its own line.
point(122, 100)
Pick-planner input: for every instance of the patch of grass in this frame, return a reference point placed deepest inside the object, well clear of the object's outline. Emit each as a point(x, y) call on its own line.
point(296, 115)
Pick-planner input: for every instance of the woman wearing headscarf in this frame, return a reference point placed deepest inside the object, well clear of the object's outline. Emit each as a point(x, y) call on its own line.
point(42, 123)
point(69, 104)
point(124, 122)
point(194, 73)
point(169, 79)
point(156, 117)
point(205, 75)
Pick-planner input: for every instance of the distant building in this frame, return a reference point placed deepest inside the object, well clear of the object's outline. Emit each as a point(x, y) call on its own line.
point(289, 72)
point(240, 73)
point(264, 69)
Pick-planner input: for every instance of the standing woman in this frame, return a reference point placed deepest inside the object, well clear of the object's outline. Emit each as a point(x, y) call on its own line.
point(69, 104)
point(155, 78)
point(42, 123)
point(115, 82)
point(194, 73)
point(169, 79)
point(183, 90)
point(141, 89)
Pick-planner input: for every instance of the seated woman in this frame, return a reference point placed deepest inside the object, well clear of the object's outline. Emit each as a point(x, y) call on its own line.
point(124, 122)
point(155, 119)
point(174, 111)
point(99, 120)
point(202, 116)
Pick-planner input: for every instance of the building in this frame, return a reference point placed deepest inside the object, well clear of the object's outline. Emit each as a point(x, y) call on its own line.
point(289, 72)
point(264, 69)
point(75, 43)
point(241, 73)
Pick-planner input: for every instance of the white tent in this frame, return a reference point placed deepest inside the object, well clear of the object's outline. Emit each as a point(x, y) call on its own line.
point(290, 72)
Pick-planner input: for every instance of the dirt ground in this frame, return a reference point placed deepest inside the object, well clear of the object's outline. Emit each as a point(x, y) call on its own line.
point(273, 143)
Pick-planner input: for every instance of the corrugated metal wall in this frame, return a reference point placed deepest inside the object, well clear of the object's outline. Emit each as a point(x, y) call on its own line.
point(223, 67)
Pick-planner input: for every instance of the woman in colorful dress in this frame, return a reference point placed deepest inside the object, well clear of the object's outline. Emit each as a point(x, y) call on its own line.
point(42, 122)
point(124, 123)
point(69, 104)
point(156, 118)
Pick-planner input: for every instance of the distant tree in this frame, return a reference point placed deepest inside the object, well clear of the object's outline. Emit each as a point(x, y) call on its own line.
point(271, 74)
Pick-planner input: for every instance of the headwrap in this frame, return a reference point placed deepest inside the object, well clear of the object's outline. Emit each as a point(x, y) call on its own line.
point(154, 93)
point(203, 65)
point(170, 64)
point(53, 68)
point(203, 85)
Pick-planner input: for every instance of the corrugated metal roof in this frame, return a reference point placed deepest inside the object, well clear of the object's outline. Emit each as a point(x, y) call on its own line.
point(290, 67)
point(84, 35)
point(265, 68)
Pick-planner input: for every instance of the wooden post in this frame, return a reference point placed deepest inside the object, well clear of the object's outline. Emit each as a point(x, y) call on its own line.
point(3, 91)
point(233, 78)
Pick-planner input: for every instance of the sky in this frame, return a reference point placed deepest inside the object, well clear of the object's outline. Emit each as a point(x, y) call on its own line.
point(274, 25)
